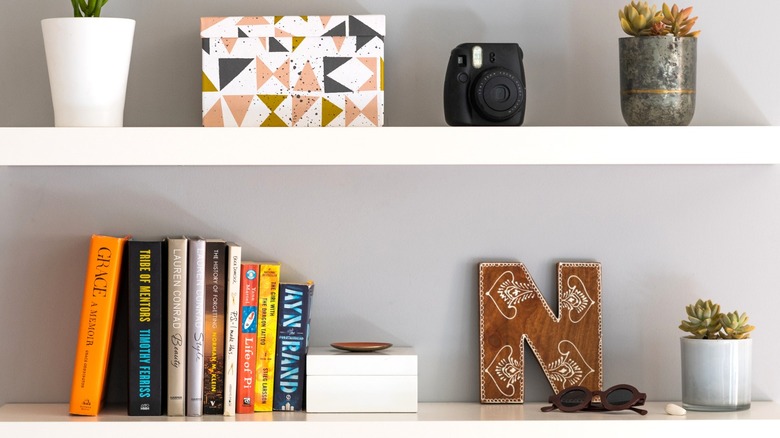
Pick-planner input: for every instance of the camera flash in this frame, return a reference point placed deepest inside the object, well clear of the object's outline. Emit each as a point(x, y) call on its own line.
point(476, 56)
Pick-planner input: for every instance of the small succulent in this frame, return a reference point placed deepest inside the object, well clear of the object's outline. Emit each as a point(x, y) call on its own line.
point(87, 8)
point(703, 320)
point(639, 19)
point(678, 21)
point(735, 326)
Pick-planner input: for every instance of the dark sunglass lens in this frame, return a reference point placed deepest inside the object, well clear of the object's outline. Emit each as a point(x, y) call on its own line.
point(573, 398)
point(620, 397)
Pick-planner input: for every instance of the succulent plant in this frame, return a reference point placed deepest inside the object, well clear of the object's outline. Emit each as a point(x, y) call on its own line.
point(703, 320)
point(735, 326)
point(87, 8)
point(678, 21)
point(639, 19)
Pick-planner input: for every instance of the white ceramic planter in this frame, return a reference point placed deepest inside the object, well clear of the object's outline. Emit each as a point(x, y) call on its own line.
point(88, 61)
point(716, 374)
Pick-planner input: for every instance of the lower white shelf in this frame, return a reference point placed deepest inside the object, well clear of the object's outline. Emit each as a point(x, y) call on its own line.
point(432, 419)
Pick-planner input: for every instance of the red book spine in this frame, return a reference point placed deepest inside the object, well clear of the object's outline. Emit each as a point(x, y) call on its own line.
point(247, 338)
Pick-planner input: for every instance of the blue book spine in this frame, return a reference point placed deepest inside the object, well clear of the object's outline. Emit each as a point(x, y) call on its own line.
point(292, 344)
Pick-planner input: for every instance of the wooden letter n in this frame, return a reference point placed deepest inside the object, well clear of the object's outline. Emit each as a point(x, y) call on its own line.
point(512, 311)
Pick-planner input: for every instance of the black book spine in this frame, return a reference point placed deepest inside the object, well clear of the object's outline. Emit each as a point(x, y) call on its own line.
point(214, 328)
point(145, 326)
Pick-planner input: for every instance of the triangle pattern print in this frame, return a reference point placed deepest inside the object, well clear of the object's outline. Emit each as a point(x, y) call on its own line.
point(368, 115)
point(239, 106)
point(213, 116)
point(281, 76)
point(307, 81)
point(273, 103)
point(293, 70)
point(207, 84)
point(330, 111)
point(229, 69)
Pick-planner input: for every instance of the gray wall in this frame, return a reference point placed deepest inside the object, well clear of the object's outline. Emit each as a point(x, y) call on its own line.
point(570, 51)
point(394, 249)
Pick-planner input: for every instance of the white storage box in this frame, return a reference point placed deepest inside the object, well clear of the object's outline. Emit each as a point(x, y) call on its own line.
point(381, 381)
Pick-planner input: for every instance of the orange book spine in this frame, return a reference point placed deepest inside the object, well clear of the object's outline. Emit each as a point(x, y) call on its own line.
point(98, 309)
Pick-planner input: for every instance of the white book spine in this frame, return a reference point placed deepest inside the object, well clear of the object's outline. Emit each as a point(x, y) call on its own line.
point(233, 306)
point(195, 355)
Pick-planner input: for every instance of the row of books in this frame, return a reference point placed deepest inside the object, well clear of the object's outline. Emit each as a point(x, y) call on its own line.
point(208, 331)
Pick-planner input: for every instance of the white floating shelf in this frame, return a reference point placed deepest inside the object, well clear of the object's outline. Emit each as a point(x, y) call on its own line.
point(197, 146)
point(450, 420)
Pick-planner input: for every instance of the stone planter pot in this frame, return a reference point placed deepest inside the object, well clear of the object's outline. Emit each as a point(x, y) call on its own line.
point(657, 80)
point(88, 61)
point(716, 374)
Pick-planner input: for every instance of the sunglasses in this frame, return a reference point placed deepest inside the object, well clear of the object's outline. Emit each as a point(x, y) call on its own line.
point(579, 398)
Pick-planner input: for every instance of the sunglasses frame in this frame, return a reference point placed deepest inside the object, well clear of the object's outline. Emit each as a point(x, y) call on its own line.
point(587, 404)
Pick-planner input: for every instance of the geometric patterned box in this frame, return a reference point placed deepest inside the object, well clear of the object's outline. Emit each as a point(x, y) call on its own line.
point(293, 70)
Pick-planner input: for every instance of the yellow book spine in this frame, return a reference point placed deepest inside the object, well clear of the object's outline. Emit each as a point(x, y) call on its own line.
point(101, 288)
point(268, 300)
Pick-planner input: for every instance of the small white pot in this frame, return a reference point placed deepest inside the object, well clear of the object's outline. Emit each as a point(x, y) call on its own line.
point(716, 374)
point(88, 61)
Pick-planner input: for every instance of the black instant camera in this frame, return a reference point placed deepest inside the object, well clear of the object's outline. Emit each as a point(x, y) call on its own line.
point(485, 85)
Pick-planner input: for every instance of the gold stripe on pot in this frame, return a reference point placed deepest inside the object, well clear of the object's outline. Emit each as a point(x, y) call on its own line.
point(627, 92)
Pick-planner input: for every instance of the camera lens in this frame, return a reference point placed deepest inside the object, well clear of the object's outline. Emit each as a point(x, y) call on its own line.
point(498, 94)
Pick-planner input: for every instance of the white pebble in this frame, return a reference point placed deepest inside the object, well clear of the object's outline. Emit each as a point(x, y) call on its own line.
point(673, 409)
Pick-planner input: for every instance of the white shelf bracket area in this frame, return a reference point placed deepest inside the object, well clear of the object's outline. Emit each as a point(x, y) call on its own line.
point(196, 146)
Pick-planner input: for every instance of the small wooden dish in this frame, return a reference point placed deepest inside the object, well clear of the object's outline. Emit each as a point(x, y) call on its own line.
point(361, 347)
